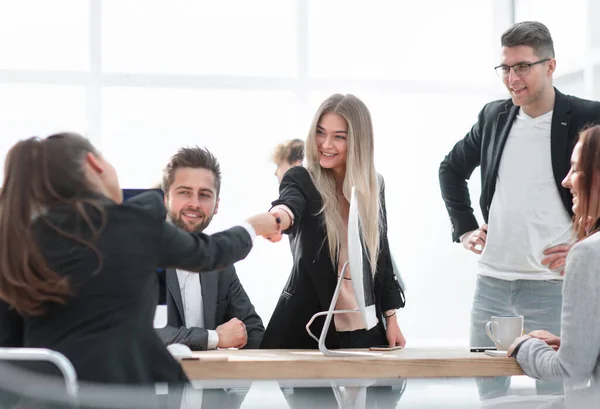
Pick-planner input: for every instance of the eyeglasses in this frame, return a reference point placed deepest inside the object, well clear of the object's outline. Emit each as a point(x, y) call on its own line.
point(521, 69)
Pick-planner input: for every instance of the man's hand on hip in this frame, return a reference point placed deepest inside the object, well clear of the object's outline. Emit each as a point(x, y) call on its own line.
point(556, 257)
point(475, 240)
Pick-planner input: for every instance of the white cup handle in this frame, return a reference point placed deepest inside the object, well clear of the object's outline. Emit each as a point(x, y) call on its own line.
point(490, 331)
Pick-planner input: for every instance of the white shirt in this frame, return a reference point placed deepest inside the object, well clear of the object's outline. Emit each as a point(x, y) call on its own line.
point(193, 307)
point(527, 215)
point(191, 295)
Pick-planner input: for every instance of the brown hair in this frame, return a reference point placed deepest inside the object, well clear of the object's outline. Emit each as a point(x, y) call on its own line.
point(530, 33)
point(193, 157)
point(588, 213)
point(40, 174)
point(291, 152)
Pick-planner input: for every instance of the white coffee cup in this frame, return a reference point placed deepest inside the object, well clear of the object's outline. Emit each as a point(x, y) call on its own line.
point(504, 329)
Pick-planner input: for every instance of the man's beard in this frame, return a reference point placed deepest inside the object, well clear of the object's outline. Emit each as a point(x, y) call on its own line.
point(196, 228)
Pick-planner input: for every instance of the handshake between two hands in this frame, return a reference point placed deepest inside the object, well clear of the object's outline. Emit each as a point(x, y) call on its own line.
point(267, 225)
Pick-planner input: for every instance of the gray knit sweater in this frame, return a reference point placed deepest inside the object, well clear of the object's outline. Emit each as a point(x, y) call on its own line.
point(579, 352)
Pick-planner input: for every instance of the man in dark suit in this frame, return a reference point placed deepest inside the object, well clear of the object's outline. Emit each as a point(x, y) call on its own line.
point(523, 145)
point(208, 310)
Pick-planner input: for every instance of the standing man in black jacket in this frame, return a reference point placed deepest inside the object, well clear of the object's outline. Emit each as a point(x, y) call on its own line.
point(523, 146)
point(208, 310)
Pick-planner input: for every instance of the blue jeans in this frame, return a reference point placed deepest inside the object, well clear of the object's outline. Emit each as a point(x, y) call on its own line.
point(540, 304)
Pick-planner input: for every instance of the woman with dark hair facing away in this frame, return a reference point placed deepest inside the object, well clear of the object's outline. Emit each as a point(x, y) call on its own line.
point(575, 355)
point(77, 266)
point(313, 204)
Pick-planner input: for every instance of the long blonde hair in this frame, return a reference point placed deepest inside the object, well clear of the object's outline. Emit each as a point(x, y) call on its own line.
point(360, 172)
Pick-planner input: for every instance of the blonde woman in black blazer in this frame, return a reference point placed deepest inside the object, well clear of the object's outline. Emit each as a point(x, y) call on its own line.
point(313, 205)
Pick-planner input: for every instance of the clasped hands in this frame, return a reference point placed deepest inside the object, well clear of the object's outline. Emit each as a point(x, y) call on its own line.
point(549, 338)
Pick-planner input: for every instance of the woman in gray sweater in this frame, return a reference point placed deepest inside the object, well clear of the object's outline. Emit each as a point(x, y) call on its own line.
point(576, 354)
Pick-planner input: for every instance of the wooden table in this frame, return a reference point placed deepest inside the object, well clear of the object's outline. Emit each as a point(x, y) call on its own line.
point(308, 364)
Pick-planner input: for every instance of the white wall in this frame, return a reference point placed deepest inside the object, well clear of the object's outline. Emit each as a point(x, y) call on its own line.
point(144, 78)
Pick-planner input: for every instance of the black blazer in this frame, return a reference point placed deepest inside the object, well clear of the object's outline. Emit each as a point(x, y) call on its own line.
point(106, 328)
point(223, 298)
point(312, 282)
point(483, 146)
